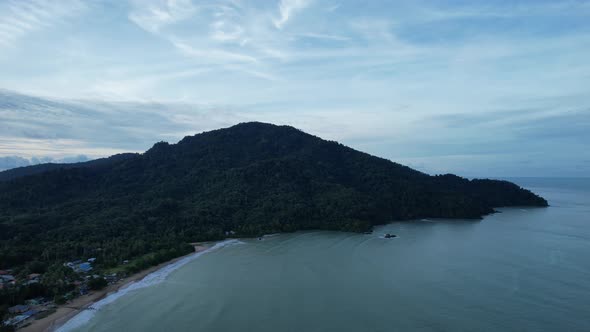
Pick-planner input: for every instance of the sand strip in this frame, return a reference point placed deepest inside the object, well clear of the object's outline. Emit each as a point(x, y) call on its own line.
point(66, 311)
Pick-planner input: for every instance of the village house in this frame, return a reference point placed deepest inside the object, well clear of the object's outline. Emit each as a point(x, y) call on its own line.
point(84, 267)
point(80, 266)
point(19, 320)
point(72, 264)
point(19, 309)
point(7, 280)
point(36, 301)
point(111, 278)
point(33, 276)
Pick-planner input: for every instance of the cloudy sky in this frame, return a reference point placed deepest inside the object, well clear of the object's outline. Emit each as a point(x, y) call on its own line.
point(478, 88)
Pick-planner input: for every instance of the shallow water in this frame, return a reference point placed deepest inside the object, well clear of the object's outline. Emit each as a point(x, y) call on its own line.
point(520, 270)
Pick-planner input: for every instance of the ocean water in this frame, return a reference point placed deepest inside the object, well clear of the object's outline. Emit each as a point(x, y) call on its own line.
point(525, 269)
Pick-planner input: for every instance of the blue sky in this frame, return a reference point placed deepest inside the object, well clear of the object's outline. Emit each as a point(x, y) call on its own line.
point(478, 88)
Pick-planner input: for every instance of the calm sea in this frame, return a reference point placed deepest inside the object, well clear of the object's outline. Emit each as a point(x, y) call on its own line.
point(520, 270)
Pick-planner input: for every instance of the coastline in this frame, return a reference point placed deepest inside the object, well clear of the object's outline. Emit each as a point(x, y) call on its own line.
point(67, 311)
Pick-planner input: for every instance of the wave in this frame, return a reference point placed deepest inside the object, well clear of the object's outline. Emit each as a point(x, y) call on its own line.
point(271, 235)
point(151, 279)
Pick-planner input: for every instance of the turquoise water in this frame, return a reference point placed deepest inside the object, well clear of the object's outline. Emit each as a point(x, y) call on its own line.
point(519, 270)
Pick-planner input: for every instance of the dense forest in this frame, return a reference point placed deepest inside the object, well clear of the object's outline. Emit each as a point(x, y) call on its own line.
point(250, 179)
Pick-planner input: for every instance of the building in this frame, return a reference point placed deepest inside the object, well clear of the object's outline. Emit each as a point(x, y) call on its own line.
point(36, 301)
point(111, 278)
point(19, 320)
point(16, 320)
point(83, 267)
point(33, 276)
point(72, 264)
point(19, 309)
point(7, 278)
point(30, 313)
point(79, 266)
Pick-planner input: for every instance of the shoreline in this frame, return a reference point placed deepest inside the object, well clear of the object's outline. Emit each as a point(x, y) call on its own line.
point(67, 311)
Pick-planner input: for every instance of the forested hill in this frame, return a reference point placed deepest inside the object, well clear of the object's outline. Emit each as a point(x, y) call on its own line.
point(252, 178)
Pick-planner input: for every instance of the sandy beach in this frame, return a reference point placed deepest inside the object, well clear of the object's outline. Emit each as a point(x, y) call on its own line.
point(67, 311)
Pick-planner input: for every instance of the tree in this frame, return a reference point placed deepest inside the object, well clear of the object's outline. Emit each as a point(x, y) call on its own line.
point(97, 283)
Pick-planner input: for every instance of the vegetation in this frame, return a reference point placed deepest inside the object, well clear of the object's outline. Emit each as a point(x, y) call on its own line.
point(251, 179)
point(97, 283)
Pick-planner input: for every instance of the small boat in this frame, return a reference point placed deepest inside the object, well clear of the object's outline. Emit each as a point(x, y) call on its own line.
point(389, 236)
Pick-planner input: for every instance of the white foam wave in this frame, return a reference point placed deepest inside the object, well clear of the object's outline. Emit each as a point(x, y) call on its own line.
point(151, 279)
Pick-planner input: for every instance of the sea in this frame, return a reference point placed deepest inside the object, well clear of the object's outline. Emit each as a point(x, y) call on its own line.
point(523, 269)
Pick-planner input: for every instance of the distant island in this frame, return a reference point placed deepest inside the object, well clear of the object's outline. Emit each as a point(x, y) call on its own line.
point(125, 213)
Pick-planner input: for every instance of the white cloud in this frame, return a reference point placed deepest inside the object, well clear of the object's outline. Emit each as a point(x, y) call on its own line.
point(373, 76)
point(333, 7)
point(153, 15)
point(506, 10)
point(226, 31)
point(8, 162)
point(212, 55)
point(490, 142)
point(287, 8)
point(324, 36)
point(22, 17)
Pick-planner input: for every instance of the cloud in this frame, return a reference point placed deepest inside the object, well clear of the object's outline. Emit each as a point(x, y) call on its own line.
point(212, 55)
point(406, 80)
point(8, 162)
point(324, 36)
point(35, 126)
point(333, 7)
point(226, 31)
point(288, 8)
point(490, 143)
point(22, 17)
point(222, 34)
point(157, 14)
point(505, 10)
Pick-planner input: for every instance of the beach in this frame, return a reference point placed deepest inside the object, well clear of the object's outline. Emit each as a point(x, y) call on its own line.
point(68, 310)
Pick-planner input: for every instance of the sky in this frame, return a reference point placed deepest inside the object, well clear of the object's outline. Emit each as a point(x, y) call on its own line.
point(477, 88)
